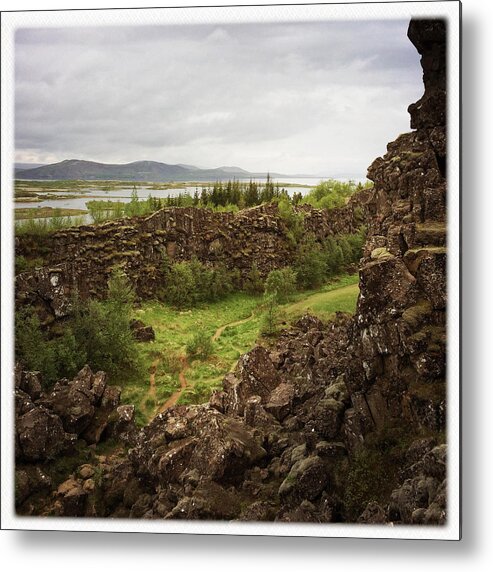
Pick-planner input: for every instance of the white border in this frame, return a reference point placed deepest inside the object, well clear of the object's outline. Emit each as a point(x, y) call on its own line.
point(203, 15)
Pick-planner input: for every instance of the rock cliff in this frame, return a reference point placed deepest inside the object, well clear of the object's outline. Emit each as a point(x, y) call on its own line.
point(342, 421)
point(82, 257)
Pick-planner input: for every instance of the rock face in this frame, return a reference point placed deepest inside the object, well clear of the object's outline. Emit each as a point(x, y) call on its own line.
point(82, 257)
point(49, 426)
point(337, 422)
point(399, 329)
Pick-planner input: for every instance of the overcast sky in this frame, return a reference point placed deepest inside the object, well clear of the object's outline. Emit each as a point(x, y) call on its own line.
point(316, 98)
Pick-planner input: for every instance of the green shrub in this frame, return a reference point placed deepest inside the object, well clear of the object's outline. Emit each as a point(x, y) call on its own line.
point(281, 284)
point(191, 283)
point(102, 331)
point(21, 264)
point(292, 220)
point(98, 334)
point(200, 346)
point(311, 263)
point(253, 283)
point(170, 363)
point(58, 357)
point(271, 317)
point(331, 193)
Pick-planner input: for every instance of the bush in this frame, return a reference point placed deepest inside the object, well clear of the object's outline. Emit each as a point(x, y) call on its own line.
point(98, 334)
point(311, 264)
point(292, 220)
point(170, 363)
point(281, 284)
point(55, 358)
point(200, 346)
point(272, 316)
point(331, 194)
point(190, 283)
point(253, 283)
point(334, 256)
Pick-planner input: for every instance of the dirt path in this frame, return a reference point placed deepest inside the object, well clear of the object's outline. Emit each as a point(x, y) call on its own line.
point(172, 400)
point(152, 378)
point(221, 329)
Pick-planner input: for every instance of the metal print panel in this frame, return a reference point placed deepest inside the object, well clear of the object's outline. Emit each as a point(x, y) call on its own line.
point(231, 265)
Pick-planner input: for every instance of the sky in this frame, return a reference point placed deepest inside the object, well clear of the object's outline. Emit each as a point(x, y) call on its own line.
point(319, 98)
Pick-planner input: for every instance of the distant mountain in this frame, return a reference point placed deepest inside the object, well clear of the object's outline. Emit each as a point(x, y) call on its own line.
point(26, 166)
point(149, 171)
point(234, 170)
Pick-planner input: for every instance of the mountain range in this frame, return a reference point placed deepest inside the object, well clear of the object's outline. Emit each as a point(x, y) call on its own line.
point(149, 171)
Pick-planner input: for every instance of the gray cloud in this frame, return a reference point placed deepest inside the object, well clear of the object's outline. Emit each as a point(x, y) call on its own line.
point(305, 97)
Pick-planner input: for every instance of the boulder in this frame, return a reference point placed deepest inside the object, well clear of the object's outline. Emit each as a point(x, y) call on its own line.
point(41, 434)
point(141, 332)
point(255, 374)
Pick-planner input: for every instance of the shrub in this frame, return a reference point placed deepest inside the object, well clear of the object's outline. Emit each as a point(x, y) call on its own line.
point(334, 256)
point(170, 363)
point(21, 264)
point(271, 317)
point(311, 263)
point(190, 283)
point(253, 283)
point(200, 346)
point(281, 284)
point(331, 194)
point(292, 220)
point(55, 358)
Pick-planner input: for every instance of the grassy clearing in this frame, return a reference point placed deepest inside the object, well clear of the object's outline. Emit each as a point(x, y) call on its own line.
point(340, 296)
point(234, 323)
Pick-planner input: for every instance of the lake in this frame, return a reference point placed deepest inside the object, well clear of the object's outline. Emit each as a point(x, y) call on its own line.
point(123, 194)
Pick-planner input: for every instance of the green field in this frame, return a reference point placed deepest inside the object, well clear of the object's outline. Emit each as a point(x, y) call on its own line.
point(233, 325)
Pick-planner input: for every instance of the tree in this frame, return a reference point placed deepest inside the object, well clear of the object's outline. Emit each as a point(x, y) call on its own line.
point(330, 194)
point(311, 263)
point(281, 284)
point(132, 208)
point(121, 294)
point(253, 282)
point(271, 316)
point(102, 330)
point(292, 220)
point(180, 286)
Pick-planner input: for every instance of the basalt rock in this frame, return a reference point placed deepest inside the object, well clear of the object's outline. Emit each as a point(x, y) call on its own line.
point(141, 332)
point(48, 426)
point(81, 258)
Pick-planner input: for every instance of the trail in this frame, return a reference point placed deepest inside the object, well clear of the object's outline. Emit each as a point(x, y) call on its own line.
point(173, 399)
point(151, 393)
point(300, 305)
point(221, 329)
point(152, 378)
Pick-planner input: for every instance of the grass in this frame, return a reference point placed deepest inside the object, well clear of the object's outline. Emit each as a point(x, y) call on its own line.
point(237, 320)
point(45, 212)
point(338, 296)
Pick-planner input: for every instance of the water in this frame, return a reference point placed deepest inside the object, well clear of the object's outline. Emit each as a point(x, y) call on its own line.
point(80, 198)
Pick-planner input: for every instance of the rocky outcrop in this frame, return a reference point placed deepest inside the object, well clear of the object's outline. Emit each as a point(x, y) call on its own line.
point(141, 332)
point(81, 258)
point(399, 329)
point(49, 426)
